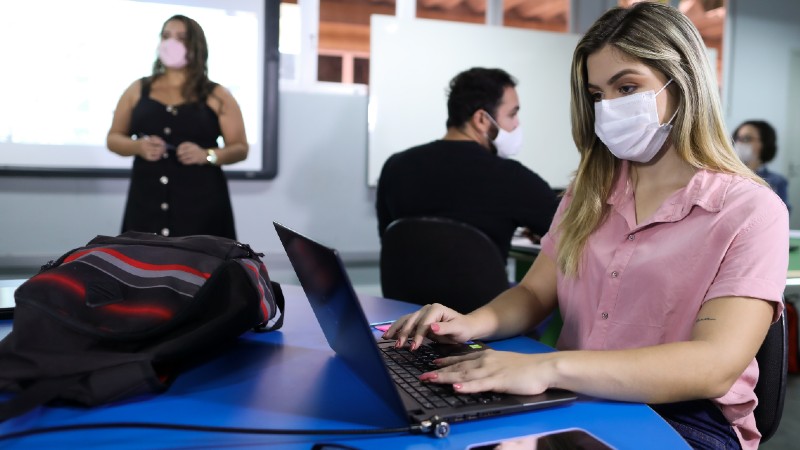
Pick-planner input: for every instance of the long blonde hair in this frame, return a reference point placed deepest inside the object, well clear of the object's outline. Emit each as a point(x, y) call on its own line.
point(664, 39)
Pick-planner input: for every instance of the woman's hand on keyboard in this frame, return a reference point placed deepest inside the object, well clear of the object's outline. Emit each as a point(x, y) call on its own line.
point(436, 322)
point(490, 370)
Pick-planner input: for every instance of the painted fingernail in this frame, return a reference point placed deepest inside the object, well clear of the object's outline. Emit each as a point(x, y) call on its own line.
point(429, 376)
point(435, 327)
point(457, 386)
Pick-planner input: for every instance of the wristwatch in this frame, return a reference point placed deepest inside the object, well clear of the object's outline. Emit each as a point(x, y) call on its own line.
point(212, 157)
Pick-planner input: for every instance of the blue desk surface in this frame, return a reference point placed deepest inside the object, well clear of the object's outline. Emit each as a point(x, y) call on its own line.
point(290, 379)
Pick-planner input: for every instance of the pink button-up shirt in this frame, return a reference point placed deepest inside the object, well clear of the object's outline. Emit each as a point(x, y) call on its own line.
point(640, 285)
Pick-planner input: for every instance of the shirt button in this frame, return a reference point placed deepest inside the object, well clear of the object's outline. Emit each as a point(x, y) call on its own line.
point(167, 131)
point(163, 179)
point(165, 231)
point(604, 315)
point(164, 206)
point(631, 237)
point(614, 274)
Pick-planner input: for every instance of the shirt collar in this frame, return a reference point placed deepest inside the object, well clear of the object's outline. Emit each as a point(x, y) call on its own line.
point(706, 189)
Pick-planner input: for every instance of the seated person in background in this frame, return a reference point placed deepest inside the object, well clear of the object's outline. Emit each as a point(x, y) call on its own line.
point(667, 257)
point(466, 175)
point(756, 144)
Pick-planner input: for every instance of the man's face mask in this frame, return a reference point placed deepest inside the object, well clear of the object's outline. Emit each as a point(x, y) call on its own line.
point(508, 143)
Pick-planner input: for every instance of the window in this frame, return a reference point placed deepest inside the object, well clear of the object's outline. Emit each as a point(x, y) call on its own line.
point(289, 40)
point(708, 16)
point(344, 38)
point(547, 15)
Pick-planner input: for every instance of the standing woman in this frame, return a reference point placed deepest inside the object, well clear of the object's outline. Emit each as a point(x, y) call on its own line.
point(170, 122)
point(666, 258)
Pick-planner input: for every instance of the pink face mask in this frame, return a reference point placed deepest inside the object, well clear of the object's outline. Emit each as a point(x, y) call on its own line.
point(172, 53)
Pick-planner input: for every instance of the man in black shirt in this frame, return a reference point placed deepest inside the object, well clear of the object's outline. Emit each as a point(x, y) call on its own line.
point(466, 175)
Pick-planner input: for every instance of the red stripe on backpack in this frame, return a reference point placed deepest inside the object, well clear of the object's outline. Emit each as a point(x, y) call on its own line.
point(138, 264)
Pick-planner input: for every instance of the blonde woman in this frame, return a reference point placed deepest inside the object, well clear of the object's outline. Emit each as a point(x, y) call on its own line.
point(667, 257)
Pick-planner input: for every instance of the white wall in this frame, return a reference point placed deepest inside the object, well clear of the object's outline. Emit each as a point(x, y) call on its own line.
point(320, 189)
point(762, 37)
point(417, 99)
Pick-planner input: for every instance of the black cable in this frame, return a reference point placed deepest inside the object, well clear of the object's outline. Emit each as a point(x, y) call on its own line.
point(200, 428)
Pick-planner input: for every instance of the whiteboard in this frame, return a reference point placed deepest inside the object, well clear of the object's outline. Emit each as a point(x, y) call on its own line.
point(413, 60)
point(59, 123)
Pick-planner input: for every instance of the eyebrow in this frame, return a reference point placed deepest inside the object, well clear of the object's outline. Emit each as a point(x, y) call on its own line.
point(617, 76)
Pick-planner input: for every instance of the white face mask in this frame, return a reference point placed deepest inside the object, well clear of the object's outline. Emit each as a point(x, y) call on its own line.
point(629, 126)
point(508, 143)
point(745, 151)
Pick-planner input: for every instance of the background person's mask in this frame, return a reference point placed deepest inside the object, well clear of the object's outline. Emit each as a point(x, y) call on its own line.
point(629, 125)
point(745, 151)
point(172, 53)
point(507, 143)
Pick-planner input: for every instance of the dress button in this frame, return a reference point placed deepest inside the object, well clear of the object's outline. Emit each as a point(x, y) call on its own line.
point(604, 315)
point(614, 274)
point(163, 179)
point(164, 206)
point(631, 237)
point(167, 131)
point(165, 231)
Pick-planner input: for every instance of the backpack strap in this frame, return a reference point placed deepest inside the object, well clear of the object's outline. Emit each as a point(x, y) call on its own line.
point(36, 394)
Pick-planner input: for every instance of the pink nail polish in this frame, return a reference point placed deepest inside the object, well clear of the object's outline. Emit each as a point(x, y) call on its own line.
point(435, 327)
point(457, 386)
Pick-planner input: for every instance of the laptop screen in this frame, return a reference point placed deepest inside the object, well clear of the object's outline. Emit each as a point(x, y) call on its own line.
point(338, 311)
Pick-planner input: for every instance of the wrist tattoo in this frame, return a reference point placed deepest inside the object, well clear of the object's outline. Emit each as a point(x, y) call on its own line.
point(704, 318)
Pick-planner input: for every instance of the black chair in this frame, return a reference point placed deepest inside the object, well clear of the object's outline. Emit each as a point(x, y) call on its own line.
point(771, 386)
point(426, 260)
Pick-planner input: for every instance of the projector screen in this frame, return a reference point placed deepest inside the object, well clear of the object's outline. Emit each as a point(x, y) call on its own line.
point(66, 64)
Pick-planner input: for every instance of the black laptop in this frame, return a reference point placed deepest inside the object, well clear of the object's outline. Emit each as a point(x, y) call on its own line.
point(392, 373)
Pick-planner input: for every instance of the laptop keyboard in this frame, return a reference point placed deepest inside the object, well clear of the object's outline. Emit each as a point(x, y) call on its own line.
point(406, 367)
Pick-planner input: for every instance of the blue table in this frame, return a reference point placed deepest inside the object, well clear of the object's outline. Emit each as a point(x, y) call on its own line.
point(290, 379)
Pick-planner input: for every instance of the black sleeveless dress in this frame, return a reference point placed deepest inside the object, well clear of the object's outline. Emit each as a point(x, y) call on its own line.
point(165, 196)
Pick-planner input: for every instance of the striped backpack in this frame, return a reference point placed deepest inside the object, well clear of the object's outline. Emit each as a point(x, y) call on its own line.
point(125, 315)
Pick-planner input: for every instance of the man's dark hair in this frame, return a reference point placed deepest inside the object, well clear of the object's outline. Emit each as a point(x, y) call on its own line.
point(474, 89)
point(769, 146)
